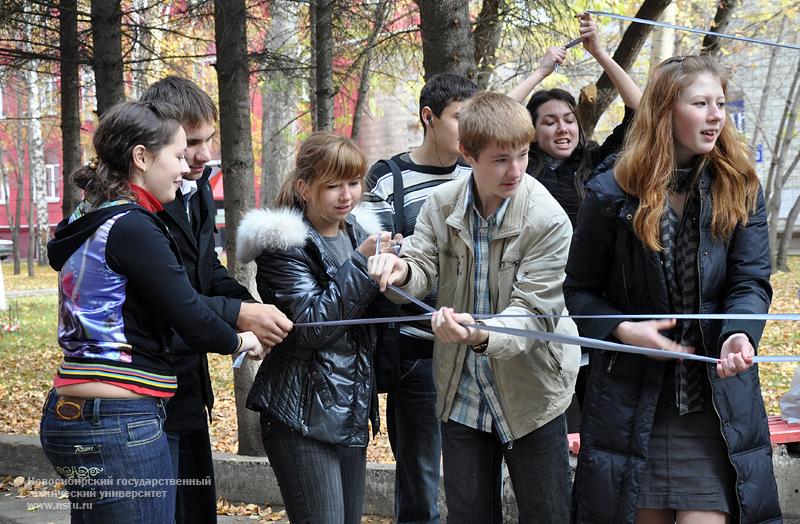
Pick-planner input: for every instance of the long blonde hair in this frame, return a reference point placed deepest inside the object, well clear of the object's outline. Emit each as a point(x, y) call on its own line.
point(647, 161)
point(323, 158)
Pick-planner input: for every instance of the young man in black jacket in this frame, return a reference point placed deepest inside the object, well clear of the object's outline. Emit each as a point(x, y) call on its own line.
point(190, 219)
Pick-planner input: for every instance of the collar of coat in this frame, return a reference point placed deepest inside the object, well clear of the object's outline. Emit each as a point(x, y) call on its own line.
point(275, 230)
point(513, 218)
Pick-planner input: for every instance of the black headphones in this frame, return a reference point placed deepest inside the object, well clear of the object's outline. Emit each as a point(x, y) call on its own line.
point(430, 120)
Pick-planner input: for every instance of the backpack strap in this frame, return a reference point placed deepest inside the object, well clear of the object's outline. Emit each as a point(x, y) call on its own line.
point(398, 196)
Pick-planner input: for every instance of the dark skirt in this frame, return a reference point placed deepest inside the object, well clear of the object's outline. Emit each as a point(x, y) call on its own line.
point(688, 466)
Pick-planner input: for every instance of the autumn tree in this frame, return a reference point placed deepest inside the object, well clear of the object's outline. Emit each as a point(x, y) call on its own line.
point(595, 98)
point(107, 53)
point(447, 41)
point(233, 77)
point(70, 102)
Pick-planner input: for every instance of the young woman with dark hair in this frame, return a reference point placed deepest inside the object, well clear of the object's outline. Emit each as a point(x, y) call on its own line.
point(122, 290)
point(316, 390)
point(560, 156)
point(678, 226)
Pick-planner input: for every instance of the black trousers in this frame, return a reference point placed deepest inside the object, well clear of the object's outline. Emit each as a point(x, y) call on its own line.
point(196, 500)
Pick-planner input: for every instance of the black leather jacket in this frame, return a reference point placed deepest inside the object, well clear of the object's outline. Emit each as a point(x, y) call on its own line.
point(319, 380)
point(609, 271)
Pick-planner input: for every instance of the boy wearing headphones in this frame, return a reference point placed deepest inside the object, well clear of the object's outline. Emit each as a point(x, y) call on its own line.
point(396, 189)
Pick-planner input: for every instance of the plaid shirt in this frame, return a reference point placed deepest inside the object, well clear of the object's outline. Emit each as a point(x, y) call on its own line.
point(476, 403)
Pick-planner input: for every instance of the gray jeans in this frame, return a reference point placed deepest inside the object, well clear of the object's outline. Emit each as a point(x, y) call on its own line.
point(538, 465)
point(320, 483)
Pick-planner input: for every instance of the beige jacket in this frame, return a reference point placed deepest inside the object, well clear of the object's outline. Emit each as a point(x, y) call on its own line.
point(534, 379)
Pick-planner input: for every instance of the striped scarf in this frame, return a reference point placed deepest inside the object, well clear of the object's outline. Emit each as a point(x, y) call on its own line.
point(680, 240)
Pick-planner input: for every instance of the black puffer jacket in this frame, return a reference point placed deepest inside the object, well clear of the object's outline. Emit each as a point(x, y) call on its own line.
point(318, 381)
point(610, 272)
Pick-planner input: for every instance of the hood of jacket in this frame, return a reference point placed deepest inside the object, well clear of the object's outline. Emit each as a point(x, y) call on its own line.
point(72, 233)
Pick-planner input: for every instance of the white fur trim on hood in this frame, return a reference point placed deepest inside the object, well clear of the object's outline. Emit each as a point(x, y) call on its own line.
point(366, 219)
point(275, 230)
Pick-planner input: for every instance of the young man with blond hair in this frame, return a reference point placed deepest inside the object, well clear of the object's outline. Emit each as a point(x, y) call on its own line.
point(497, 243)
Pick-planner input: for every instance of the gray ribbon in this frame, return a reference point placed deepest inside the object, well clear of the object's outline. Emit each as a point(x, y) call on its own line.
point(693, 30)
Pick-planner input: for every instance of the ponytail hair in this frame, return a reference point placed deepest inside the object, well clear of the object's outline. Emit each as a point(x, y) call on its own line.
point(107, 177)
point(324, 158)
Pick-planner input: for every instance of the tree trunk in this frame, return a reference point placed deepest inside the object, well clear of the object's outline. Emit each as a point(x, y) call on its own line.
point(31, 225)
point(312, 74)
point(39, 229)
point(595, 99)
point(762, 106)
point(711, 43)
point(662, 44)
point(323, 23)
point(379, 19)
point(70, 104)
point(487, 37)
point(233, 77)
point(447, 41)
point(278, 102)
point(14, 214)
point(141, 51)
point(782, 141)
point(107, 53)
point(782, 254)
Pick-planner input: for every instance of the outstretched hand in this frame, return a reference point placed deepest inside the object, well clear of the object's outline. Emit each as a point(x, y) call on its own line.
point(387, 268)
point(387, 243)
point(252, 346)
point(266, 321)
point(552, 57)
point(589, 34)
point(735, 356)
point(448, 326)
point(646, 335)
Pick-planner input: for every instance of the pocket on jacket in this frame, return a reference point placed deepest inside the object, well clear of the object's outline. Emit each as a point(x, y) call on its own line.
point(506, 277)
point(553, 359)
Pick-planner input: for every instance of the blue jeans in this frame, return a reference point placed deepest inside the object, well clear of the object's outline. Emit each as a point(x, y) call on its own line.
point(538, 465)
point(413, 430)
point(320, 483)
point(113, 457)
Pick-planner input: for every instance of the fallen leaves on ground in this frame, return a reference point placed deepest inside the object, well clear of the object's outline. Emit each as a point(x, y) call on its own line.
point(44, 277)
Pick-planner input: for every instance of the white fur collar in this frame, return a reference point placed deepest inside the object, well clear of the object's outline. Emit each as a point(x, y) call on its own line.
point(283, 229)
point(366, 219)
point(275, 230)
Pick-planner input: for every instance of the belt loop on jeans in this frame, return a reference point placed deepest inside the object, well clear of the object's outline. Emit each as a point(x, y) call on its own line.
point(96, 412)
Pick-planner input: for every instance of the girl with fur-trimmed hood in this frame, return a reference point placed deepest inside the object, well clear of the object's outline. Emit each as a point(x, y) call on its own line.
point(316, 389)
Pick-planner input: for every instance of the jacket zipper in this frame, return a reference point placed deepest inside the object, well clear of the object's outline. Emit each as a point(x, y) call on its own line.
point(306, 406)
point(703, 342)
point(625, 288)
point(611, 362)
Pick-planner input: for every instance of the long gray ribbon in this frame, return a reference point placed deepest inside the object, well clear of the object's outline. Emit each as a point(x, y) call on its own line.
point(570, 339)
point(652, 316)
point(693, 30)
